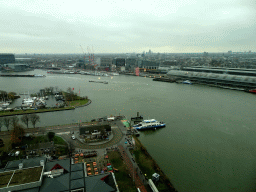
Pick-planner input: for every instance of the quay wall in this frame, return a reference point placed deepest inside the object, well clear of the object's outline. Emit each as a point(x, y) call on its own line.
point(156, 166)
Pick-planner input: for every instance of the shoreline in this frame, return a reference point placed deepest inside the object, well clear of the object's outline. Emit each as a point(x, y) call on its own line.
point(44, 110)
point(155, 165)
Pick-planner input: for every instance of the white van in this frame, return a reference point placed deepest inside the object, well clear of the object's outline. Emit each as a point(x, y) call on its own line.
point(111, 118)
point(17, 153)
point(73, 137)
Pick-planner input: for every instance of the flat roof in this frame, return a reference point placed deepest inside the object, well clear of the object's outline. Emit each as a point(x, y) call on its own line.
point(20, 176)
point(5, 178)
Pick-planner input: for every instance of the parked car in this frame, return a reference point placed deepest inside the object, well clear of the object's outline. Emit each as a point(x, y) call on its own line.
point(17, 153)
point(73, 137)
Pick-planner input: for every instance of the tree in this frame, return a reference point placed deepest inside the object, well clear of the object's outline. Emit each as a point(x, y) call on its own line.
point(25, 119)
point(51, 135)
point(11, 95)
point(14, 121)
point(71, 148)
point(17, 133)
point(70, 95)
point(7, 122)
point(51, 90)
point(1, 123)
point(34, 119)
point(3, 94)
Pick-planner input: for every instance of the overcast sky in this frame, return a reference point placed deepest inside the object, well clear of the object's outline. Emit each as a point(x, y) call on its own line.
point(122, 26)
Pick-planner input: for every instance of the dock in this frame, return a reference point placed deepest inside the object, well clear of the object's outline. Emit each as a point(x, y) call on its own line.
point(4, 75)
point(104, 82)
point(164, 79)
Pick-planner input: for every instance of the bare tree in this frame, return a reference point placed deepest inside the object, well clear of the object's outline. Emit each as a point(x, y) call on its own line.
point(71, 148)
point(42, 130)
point(25, 119)
point(17, 133)
point(7, 122)
point(51, 89)
point(14, 121)
point(1, 123)
point(34, 119)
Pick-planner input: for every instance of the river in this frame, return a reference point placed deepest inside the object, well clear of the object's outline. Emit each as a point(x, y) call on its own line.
point(208, 143)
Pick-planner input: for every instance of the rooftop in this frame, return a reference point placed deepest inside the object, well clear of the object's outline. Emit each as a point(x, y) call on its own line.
point(21, 176)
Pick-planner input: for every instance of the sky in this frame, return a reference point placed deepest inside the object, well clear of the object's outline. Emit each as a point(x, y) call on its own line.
point(127, 26)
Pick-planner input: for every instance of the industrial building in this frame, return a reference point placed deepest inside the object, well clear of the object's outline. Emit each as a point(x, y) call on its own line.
point(105, 61)
point(16, 67)
point(216, 78)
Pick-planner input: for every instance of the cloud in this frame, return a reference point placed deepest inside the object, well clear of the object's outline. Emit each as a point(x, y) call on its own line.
point(125, 26)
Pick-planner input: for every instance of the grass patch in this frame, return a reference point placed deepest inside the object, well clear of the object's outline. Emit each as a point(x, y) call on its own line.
point(5, 178)
point(26, 176)
point(59, 140)
point(78, 102)
point(125, 183)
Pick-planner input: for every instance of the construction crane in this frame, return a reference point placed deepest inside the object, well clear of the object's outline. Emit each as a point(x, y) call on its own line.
point(83, 52)
point(89, 54)
point(93, 58)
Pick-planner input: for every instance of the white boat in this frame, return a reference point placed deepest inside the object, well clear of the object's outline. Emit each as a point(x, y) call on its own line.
point(39, 75)
point(149, 124)
point(114, 74)
point(105, 75)
point(187, 82)
point(85, 73)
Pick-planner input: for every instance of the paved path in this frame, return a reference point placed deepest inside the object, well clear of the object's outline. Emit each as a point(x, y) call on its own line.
point(132, 167)
point(117, 136)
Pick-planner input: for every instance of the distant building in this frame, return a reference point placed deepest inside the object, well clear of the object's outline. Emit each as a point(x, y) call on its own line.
point(222, 77)
point(17, 67)
point(130, 62)
point(6, 58)
point(105, 61)
point(150, 64)
point(120, 62)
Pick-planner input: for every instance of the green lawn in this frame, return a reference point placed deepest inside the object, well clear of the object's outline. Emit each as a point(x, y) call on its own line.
point(43, 139)
point(59, 140)
point(77, 102)
point(125, 183)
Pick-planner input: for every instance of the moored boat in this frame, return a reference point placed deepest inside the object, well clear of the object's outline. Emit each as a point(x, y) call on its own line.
point(252, 91)
point(149, 124)
point(187, 82)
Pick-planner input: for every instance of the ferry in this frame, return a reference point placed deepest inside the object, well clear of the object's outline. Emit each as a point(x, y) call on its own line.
point(149, 124)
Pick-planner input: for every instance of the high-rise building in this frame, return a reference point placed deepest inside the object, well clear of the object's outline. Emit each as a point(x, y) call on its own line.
point(7, 58)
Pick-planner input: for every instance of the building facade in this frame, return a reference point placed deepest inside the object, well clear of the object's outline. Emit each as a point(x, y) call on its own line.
point(6, 58)
point(105, 61)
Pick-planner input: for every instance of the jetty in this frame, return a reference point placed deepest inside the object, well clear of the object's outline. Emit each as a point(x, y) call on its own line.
point(7, 75)
point(164, 79)
point(104, 82)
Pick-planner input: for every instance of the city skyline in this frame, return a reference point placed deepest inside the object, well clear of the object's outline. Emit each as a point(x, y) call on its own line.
point(127, 26)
